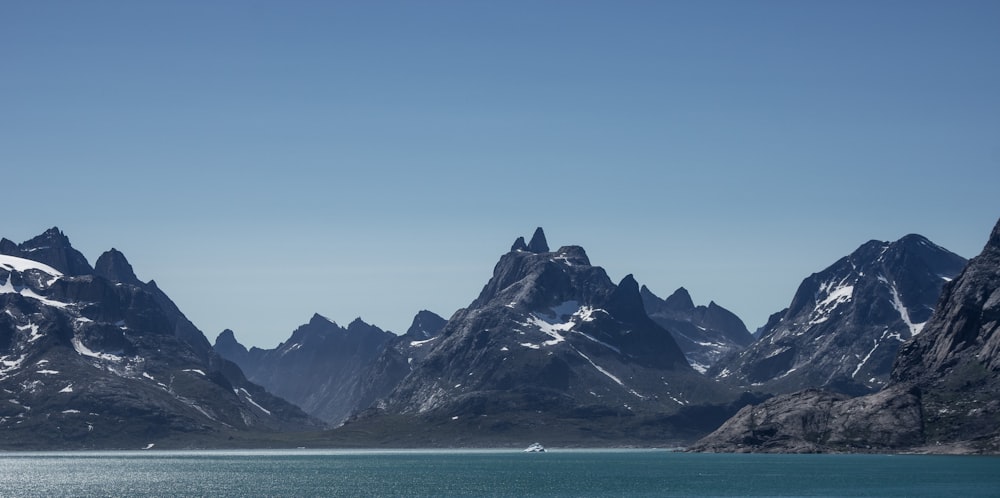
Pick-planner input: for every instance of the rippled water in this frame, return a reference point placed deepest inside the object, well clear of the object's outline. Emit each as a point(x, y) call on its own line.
point(490, 473)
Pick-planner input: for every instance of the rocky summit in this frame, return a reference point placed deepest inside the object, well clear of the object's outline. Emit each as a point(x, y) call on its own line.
point(94, 358)
point(552, 342)
point(845, 324)
point(941, 396)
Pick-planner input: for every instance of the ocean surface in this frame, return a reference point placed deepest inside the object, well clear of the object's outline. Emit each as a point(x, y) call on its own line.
point(490, 473)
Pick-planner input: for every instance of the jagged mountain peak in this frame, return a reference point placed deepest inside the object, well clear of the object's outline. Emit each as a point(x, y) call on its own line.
point(680, 300)
point(846, 322)
point(626, 299)
point(532, 279)
point(359, 325)
point(320, 320)
point(229, 347)
point(53, 248)
point(113, 266)
point(52, 236)
point(426, 324)
point(227, 336)
point(538, 244)
point(519, 245)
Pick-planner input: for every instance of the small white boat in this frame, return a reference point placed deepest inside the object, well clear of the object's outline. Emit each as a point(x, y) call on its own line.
point(535, 448)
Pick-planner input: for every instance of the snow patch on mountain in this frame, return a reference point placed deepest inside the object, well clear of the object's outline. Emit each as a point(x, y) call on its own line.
point(897, 303)
point(85, 351)
point(598, 341)
point(553, 330)
point(836, 293)
point(35, 335)
point(13, 263)
point(8, 288)
point(417, 344)
point(8, 365)
point(252, 402)
point(561, 321)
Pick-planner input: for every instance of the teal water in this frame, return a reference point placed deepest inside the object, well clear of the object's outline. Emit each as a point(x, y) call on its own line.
point(491, 473)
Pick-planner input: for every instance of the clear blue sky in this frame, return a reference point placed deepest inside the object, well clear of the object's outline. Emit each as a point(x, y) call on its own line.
point(263, 161)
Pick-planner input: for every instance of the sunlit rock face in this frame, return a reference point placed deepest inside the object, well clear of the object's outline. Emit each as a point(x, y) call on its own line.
point(845, 324)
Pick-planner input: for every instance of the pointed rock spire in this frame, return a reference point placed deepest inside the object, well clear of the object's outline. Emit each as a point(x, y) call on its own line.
point(113, 266)
point(425, 325)
point(519, 245)
point(538, 243)
point(227, 341)
point(9, 247)
point(320, 320)
point(626, 299)
point(680, 300)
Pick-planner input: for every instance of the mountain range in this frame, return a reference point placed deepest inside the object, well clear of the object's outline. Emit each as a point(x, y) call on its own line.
point(551, 342)
point(889, 348)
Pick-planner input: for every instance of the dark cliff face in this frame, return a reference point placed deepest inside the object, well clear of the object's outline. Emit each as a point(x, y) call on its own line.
point(956, 360)
point(113, 266)
point(704, 333)
point(846, 323)
point(941, 397)
point(94, 361)
point(964, 323)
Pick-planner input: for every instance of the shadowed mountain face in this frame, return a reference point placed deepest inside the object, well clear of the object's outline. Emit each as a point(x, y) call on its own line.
point(846, 323)
point(550, 337)
point(97, 359)
point(704, 333)
point(325, 368)
point(942, 394)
